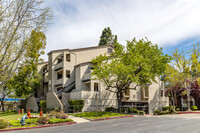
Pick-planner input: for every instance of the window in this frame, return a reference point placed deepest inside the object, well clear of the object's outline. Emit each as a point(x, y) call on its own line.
point(161, 93)
point(67, 73)
point(96, 88)
point(110, 50)
point(146, 89)
point(59, 75)
point(67, 57)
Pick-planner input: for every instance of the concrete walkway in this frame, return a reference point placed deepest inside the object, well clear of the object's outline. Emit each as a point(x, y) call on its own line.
point(78, 119)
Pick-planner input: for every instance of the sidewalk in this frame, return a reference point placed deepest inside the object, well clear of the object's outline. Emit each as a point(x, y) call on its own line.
point(78, 119)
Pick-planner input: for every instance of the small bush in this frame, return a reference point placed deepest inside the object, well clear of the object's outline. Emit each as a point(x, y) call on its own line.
point(142, 112)
point(76, 105)
point(111, 109)
point(157, 112)
point(31, 121)
point(56, 120)
point(177, 109)
point(193, 107)
point(60, 115)
point(3, 124)
point(43, 104)
point(42, 120)
point(169, 108)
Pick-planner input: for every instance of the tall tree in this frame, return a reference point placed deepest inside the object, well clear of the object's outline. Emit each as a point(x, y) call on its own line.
point(17, 20)
point(140, 62)
point(186, 65)
point(27, 80)
point(107, 37)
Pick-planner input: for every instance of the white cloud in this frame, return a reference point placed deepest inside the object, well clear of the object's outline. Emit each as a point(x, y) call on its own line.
point(79, 23)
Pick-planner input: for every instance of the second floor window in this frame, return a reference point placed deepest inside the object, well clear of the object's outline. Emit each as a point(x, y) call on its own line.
point(59, 75)
point(67, 57)
point(67, 73)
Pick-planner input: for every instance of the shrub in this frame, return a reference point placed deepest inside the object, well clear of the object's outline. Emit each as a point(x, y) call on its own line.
point(60, 115)
point(141, 112)
point(56, 120)
point(157, 112)
point(193, 107)
point(31, 121)
point(134, 110)
point(43, 104)
point(177, 109)
point(15, 123)
point(169, 108)
point(76, 105)
point(42, 120)
point(3, 124)
point(111, 109)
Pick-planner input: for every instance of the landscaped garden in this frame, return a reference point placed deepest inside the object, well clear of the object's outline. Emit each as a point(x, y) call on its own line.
point(92, 115)
point(11, 119)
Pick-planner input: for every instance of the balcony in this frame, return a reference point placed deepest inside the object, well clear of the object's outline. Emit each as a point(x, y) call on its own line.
point(59, 82)
point(58, 66)
point(86, 77)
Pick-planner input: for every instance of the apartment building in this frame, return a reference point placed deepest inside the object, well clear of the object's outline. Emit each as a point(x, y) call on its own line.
point(67, 76)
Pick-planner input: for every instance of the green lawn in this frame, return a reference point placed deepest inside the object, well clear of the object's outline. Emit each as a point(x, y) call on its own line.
point(13, 115)
point(12, 118)
point(92, 115)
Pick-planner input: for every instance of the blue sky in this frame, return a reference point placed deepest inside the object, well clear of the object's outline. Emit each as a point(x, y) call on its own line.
point(169, 23)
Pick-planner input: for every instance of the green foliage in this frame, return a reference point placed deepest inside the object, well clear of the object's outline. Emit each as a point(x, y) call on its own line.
point(142, 112)
point(169, 108)
point(57, 109)
point(31, 121)
point(76, 105)
point(18, 19)
point(56, 120)
point(193, 107)
point(27, 80)
point(14, 123)
point(177, 109)
point(42, 120)
point(140, 62)
point(110, 109)
point(43, 104)
point(92, 115)
point(157, 112)
point(107, 37)
point(3, 124)
point(133, 110)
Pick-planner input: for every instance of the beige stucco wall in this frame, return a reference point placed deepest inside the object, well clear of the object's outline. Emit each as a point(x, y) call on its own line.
point(53, 101)
point(32, 104)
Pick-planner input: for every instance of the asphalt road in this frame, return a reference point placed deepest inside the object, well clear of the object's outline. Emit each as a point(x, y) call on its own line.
point(128, 125)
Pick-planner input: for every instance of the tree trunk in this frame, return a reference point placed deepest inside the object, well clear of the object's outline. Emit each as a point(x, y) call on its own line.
point(119, 99)
point(2, 105)
point(172, 99)
point(188, 96)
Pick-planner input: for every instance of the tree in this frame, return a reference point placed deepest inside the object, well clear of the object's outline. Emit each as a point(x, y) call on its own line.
point(186, 69)
point(140, 62)
point(17, 20)
point(27, 80)
point(107, 37)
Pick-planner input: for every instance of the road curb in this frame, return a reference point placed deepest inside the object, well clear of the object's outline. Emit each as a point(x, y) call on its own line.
point(116, 117)
point(42, 126)
point(188, 113)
